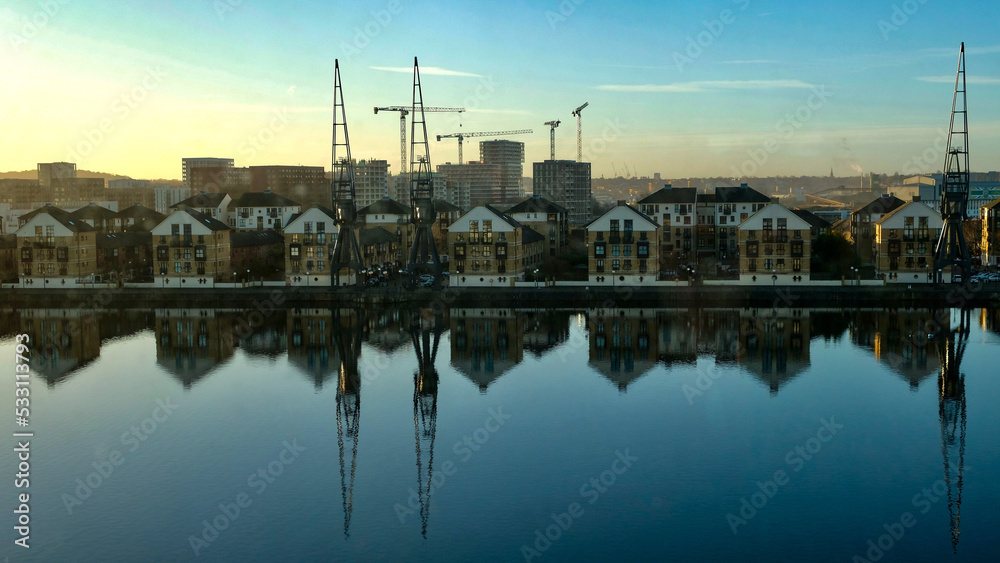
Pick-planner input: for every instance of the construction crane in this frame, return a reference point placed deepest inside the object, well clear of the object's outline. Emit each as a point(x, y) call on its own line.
point(423, 252)
point(403, 112)
point(346, 252)
point(552, 138)
point(952, 251)
point(461, 136)
point(578, 112)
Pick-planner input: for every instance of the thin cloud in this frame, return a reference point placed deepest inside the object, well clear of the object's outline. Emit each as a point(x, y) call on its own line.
point(969, 79)
point(750, 62)
point(705, 86)
point(431, 70)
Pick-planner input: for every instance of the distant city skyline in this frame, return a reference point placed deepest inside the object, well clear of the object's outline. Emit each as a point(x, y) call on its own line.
point(732, 88)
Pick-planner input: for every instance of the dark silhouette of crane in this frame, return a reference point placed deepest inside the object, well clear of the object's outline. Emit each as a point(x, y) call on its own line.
point(578, 113)
point(461, 136)
point(423, 252)
point(952, 416)
point(952, 251)
point(346, 252)
point(552, 138)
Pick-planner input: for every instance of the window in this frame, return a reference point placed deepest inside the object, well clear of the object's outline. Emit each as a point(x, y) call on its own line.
point(177, 267)
point(600, 265)
point(615, 265)
point(599, 250)
point(768, 264)
point(796, 264)
point(628, 250)
point(628, 265)
point(752, 265)
point(616, 250)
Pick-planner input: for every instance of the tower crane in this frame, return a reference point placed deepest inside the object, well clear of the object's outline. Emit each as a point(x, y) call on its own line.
point(578, 112)
point(403, 112)
point(552, 138)
point(951, 249)
point(423, 252)
point(461, 136)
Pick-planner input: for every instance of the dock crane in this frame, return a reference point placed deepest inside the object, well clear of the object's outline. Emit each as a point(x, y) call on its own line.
point(578, 113)
point(552, 138)
point(403, 112)
point(951, 250)
point(346, 252)
point(423, 252)
point(461, 136)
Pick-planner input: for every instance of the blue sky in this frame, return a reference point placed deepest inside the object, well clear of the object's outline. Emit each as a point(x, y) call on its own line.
point(723, 88)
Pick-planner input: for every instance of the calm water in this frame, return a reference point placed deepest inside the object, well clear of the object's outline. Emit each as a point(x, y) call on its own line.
point(505, 435)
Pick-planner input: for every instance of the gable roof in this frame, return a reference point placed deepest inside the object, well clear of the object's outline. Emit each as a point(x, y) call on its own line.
point(814, 220)
point(881, 204)
point(63, 217)
point(503, 216)
point(671, 195)
point(992, 204)
point(212, 224)
point(203, 199)
point(324, 210)
point(385, 206)
point(537, 204)
point(266, 198)
point(530, 235)
point(739, 194)
point(94, 212)
point(634, 210)
point(139, 212)
point(255, 238)
point(774, 209)
point(376, 235)
point(899, 211)
point(442, 206)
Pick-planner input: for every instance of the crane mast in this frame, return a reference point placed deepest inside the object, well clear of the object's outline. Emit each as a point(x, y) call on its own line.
point(423, 252)
point(403, 112)
point(951, 250)
point(578, 113)
point(346, 252)
point(552, 138)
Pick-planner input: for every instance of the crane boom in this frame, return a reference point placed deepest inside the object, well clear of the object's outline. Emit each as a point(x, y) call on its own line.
point(403, 112)
point(461, 136)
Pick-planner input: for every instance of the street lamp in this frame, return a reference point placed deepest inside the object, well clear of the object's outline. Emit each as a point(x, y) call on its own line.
point(536, 278)
point(307, 279)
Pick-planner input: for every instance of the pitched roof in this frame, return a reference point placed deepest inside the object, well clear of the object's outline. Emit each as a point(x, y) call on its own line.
point(900, 209)
point(325, 210)
point(442, 206)
point(213, 224)
point(881, 204)
point(385, 206)
point(506, 218)
point(530, 235)
point(94, 212)
point(139, 212)
point(203, 199)
point(118, 240)
point(537, 204)
point(634, 210)
point(62, 216)
point(671, 195)
point(811, 218)
point(255, 238)
point(739, 194)
point(992, 204)
point(266, 198)
point(376, 235)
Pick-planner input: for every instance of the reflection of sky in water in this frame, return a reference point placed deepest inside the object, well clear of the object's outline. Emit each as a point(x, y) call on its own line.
point(709, 403)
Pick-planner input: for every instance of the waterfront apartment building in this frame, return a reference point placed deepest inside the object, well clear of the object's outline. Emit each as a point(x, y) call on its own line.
point(863, 221)
point(393, 217)
point(989, 214)
point(257, 211)
point(101, 219)
point(56, 250)
point(549, 219)
point(732, 206)
point(904, 241)
point(214, 205)
point(566, 182)
point(674, 209)
point(623, 247)
point(310, 238)
point(775, 246)
point(192, 249)
point(509, 156)
point(489, 248)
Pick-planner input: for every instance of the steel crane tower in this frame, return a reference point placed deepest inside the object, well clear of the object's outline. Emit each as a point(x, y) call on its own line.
point(346, 252)
point(423, 252)
point(552, 138)
point(952, 249)
point(403, 112)
point(461, 136)
point(578, 112)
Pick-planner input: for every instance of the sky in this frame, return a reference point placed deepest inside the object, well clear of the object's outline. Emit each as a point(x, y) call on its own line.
point(731, 88)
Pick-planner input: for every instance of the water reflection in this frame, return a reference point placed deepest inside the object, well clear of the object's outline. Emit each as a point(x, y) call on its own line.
point(191, 343)
point(426, 328)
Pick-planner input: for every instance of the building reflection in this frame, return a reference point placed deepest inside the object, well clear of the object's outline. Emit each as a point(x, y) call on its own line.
point(544, 330)
point(62, 341)
point(310, 349)
point(486, 343)
point(774, 344)
point(191, 343)
point(902, 340)
point(622, 344)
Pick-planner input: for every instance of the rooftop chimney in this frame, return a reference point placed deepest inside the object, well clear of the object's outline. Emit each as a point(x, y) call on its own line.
point(621, 203)
point(744, 185)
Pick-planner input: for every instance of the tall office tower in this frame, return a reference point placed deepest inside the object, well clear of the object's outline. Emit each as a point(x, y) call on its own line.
point(509, 155)
point(566, 182)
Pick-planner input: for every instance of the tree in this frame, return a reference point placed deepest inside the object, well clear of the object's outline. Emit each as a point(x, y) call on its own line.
point(832, 254)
